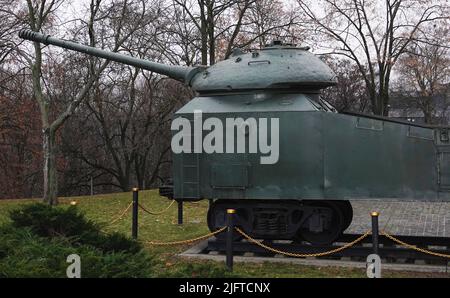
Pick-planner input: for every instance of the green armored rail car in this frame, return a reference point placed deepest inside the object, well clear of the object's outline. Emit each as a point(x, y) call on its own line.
point(259, 139)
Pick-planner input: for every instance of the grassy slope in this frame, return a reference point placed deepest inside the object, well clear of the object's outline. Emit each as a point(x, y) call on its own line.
point(104, 208)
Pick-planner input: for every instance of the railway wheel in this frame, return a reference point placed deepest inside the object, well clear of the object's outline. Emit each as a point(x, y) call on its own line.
point(324, 223)
point(347, 212)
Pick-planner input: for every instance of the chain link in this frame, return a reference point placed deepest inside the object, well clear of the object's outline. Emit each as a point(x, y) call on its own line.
point(413, 246)
point(156, 213)
point(303, 255)
point(122, 214)
point(274, 250)
point(187, 241)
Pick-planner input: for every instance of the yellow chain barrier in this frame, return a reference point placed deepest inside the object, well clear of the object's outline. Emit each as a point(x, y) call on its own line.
point(187, 241)
point(122, 214)
point(274, 250)
point(413, 246)
point(321, 254)
point(158, 212)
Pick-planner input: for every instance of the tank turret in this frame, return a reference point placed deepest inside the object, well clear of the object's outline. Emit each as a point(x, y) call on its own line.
point(277, 66)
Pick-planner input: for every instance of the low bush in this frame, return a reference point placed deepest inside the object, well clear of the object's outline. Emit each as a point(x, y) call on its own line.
point(25, 254)
point(40, 238)
point(47, 221)
point(51, 222)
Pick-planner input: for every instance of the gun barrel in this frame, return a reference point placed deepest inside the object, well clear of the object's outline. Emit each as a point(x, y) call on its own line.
point(180, 73)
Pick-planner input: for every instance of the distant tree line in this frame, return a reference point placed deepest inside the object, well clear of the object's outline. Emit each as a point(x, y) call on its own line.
point(67, 119)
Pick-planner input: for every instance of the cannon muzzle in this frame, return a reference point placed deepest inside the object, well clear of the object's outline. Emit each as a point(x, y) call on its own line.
point(180, 73)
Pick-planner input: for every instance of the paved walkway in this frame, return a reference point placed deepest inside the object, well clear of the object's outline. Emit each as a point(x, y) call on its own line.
point(403, 218)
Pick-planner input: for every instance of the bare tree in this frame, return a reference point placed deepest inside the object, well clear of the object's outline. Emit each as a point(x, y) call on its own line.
point(222, 25)
point(8, 25)
point(130, 138)
point(125, 121)
point(205, 15)
point(374, 34)
point(39, 14)
point(178, 38)
point(267, 20)
point(20, 143)
point(425, 73)
point(350, 93)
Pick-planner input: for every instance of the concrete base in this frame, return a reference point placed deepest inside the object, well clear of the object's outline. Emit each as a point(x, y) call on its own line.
point(195, 252)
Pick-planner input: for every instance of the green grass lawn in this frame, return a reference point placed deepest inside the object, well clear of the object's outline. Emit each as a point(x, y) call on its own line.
point(164, 228)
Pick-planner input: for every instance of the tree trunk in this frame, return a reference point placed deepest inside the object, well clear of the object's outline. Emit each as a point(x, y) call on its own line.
point(376, 108)
point(428, 112)
point(124, 181)
point(384, 99)
point(385, 94)
point(428, 119)
point(212, 40)
point(50, 172)
point(140, 166)
point(375, 102)
point(380, 101)
point(203, 34)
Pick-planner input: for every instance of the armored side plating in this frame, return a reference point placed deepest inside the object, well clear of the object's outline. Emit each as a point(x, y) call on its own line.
point(324, 158)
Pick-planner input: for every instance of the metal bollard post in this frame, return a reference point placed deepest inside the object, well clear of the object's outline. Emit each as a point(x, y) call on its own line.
point(180, 212)
point(134, 224)
point(375, 233)
point(229, 244)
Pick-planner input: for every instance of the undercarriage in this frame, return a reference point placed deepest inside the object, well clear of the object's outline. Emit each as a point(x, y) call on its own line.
point(314, 221)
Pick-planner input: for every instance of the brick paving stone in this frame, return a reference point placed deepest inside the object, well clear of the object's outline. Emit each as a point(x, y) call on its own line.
point(409, 218)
